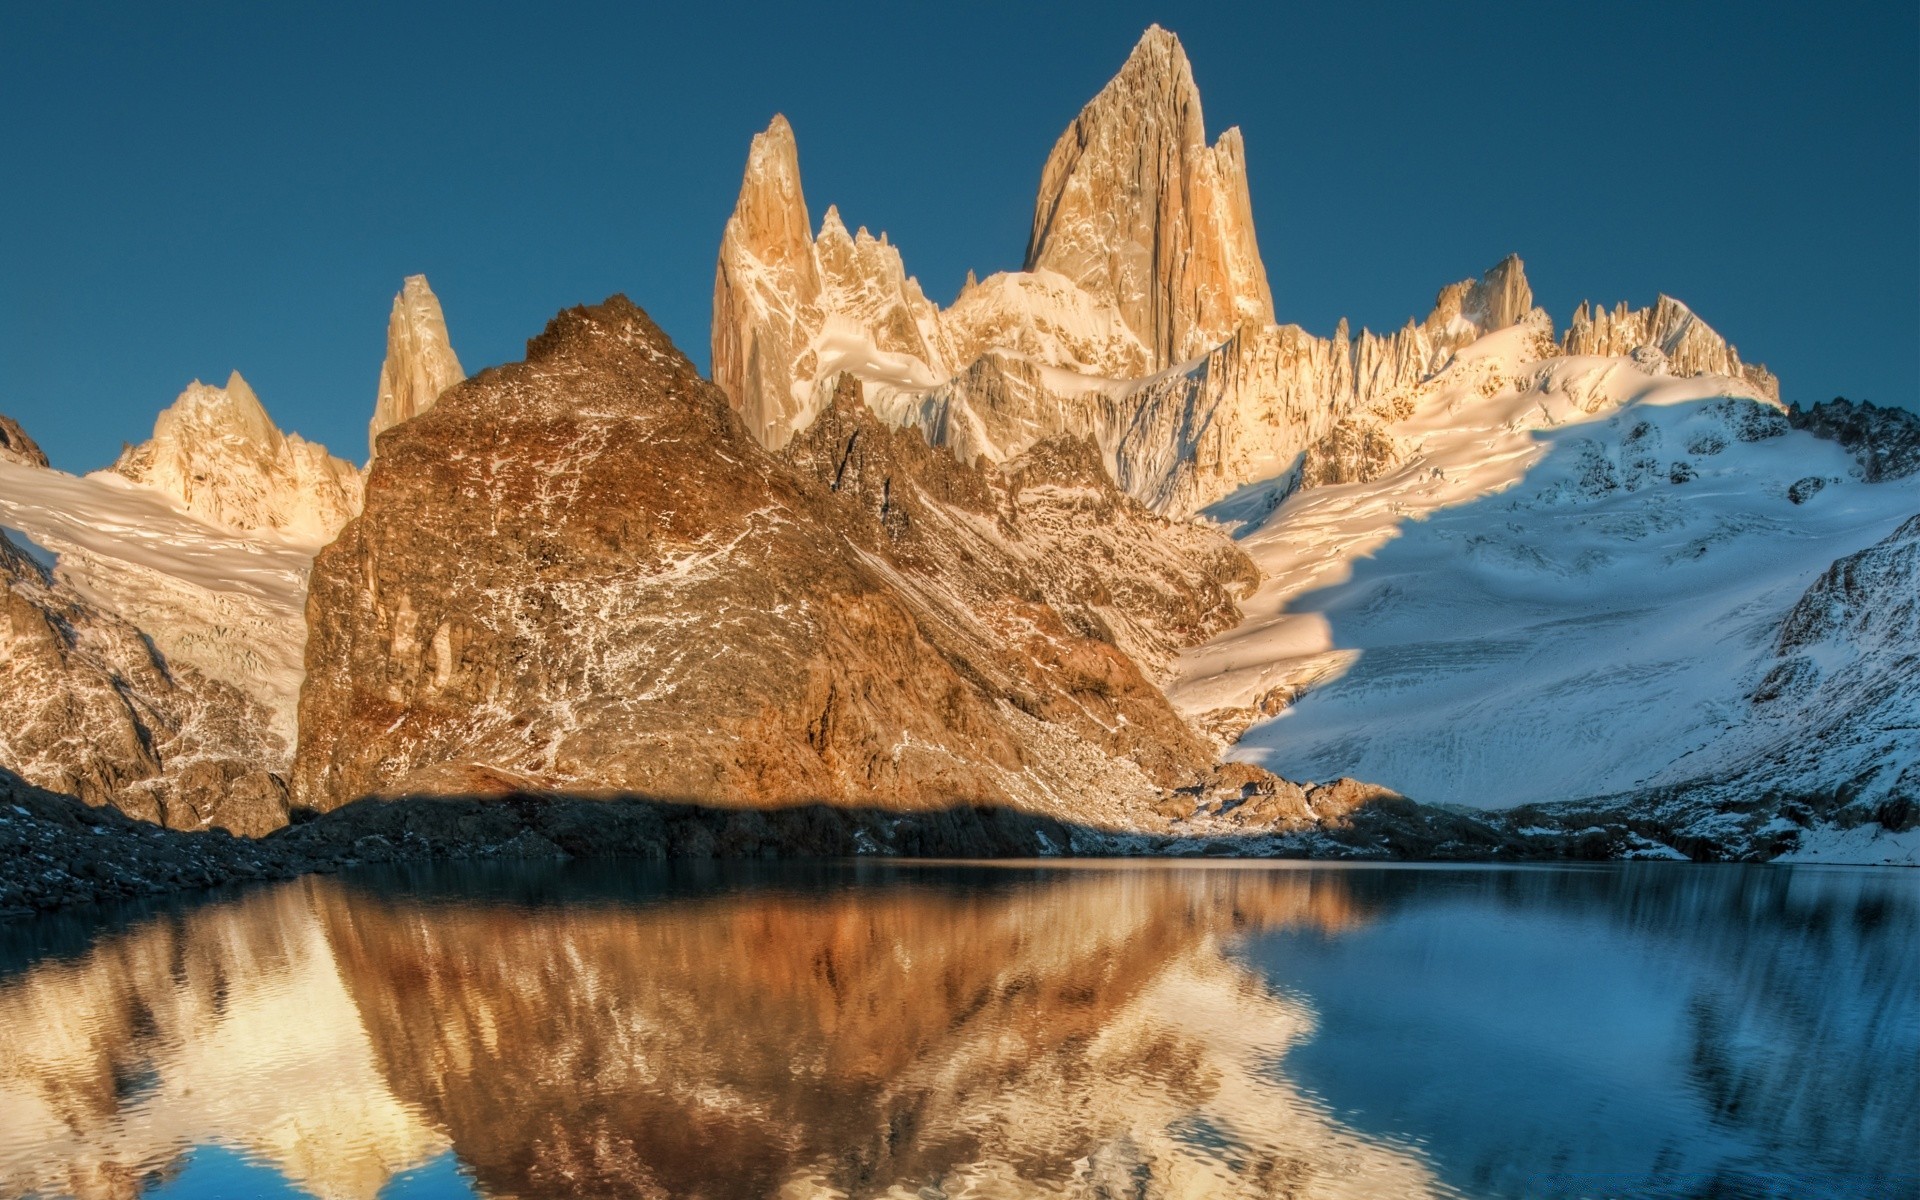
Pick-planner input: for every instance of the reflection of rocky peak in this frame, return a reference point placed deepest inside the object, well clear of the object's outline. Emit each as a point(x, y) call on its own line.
point(1050, 1037)
point(17, 446)
point(420, 361)
point(88, 707)
point(224, 1026)
point(1137, 209)
point(217, 453)
point(625, 592)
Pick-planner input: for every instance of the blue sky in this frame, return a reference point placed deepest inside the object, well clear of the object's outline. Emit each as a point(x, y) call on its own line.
point(196, 188)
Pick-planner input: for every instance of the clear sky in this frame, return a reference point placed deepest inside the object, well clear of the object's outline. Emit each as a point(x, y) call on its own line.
point(193, 188)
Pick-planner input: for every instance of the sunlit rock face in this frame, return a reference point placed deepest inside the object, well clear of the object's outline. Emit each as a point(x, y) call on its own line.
point(1140, 212)
point(1052, 1037)
point(218, 455)
point(420, 362)
point(1142, 320)
point(581, 573)
point(16, 446)
point(1666, 338)
point(225, 1026)
point(90, 708)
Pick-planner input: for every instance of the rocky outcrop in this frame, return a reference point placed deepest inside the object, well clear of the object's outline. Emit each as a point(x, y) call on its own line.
point(89, 708)
point(1138, 210)
point(218, 455)
point(1834, 716)
point(420, 362)
point(1142, 320)
point(1885, 441)
point(580, 573)
point(1665, 339)
point(766, 289)
point(16, 446)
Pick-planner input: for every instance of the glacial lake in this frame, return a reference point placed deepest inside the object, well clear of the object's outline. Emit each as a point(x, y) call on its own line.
point(975, 1030)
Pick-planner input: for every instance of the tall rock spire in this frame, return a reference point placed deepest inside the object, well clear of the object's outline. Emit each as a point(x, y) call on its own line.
point(420, 361)
point(1136, 208)
point(765, 288)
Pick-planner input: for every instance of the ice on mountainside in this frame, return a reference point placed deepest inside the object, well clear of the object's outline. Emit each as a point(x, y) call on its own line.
point(1569, 588)
point(228, 604)
point(420, 362)
point(93, 710)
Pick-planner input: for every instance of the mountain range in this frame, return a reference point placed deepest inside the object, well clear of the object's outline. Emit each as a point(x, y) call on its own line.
point(1100, 544)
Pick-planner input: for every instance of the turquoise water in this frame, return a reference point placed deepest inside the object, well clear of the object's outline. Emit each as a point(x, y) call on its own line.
point(876, 1029)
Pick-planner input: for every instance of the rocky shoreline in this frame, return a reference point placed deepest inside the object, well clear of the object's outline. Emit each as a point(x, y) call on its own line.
point(56, 852)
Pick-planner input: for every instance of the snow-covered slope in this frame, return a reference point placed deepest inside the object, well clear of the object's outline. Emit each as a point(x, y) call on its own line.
point(229, 604)
point(90, 708)
point(1570, 586)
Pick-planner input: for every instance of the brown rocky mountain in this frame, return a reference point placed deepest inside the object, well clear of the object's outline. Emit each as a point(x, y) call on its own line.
point(582, 573)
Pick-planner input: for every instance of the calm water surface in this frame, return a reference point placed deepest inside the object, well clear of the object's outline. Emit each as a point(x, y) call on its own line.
point(975, 1030)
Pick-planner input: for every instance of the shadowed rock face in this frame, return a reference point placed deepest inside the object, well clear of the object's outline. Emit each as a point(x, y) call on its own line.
point(1885, 440)
point(580, 572)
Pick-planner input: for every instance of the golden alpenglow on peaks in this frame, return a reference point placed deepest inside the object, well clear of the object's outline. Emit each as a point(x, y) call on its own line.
point(1136, 208)
point(218, 455)
point(420, 361)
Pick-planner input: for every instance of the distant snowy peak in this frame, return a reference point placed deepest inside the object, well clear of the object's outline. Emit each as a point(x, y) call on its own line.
point(1667, 336)
point(420, 362)
point(1136, 208)
point(218, 455)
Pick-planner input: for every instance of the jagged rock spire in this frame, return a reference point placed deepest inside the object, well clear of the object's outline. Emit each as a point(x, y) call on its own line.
point(1136, 208)
point(220, 456)
point(420, 361)
point(16, 446)
point(765, 286)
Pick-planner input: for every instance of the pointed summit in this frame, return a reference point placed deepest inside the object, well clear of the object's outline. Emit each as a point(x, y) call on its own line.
point(1500, 298)
point(765, 286)
point(218, 454)
point(420, 362)
point(1137, 209)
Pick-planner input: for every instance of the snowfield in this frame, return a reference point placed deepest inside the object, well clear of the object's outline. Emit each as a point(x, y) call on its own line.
point(232, 604)
point(1570, 587)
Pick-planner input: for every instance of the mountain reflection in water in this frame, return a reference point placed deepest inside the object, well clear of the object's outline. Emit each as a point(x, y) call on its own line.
point(902, 1030)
